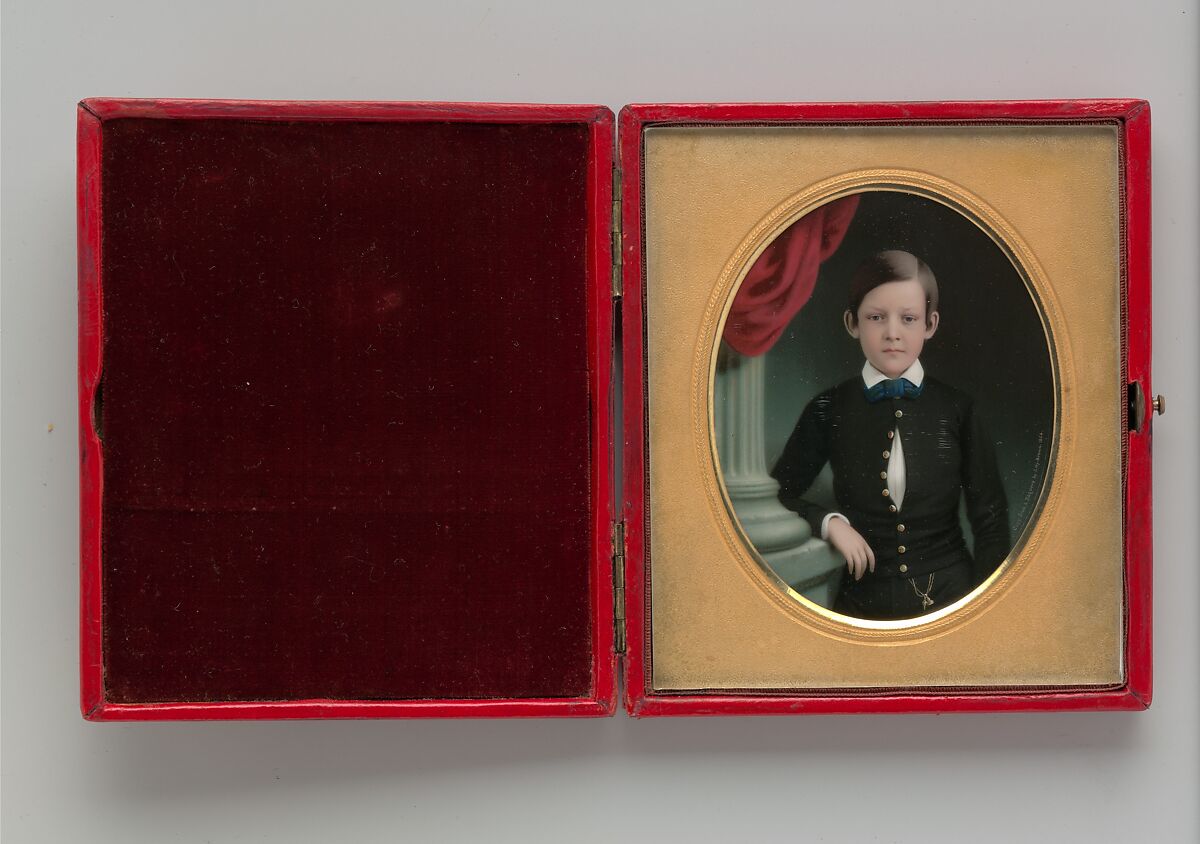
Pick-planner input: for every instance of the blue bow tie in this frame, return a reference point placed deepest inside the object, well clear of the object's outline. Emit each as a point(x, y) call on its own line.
point(892, 388)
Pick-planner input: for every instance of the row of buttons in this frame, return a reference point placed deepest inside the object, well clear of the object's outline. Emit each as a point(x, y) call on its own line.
point(887, 493)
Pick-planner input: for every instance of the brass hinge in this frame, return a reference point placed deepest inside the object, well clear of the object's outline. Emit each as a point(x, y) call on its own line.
point(618, 558)
point(617, 284)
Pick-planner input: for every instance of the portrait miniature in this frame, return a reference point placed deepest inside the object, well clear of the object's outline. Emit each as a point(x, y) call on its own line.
point(907, 404)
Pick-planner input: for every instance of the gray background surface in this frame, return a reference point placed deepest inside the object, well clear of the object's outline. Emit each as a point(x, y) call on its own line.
point(1061, 777)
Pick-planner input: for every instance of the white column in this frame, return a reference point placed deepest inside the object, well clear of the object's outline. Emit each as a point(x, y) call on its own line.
point(780, 536)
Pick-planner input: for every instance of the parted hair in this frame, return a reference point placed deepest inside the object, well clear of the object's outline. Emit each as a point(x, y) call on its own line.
point(892, 265)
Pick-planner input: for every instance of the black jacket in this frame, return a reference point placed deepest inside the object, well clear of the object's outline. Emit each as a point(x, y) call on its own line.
point(947, 455)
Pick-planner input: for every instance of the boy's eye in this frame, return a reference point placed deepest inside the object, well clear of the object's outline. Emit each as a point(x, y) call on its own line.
point(910, 318)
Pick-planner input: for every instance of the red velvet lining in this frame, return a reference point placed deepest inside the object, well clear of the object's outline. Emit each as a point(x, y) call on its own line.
point(345, 410)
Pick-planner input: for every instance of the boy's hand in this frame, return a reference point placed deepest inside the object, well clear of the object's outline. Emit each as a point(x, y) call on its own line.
point(859, 557)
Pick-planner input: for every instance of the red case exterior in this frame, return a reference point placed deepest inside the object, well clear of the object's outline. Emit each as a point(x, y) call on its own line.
point(91, 116)
point(1133, 119)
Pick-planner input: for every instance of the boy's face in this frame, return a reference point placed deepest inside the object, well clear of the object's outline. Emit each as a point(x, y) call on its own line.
point(892, 327)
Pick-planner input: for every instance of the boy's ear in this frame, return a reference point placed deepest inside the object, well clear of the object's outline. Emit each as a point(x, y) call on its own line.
point(932, 326)
point(852, 323)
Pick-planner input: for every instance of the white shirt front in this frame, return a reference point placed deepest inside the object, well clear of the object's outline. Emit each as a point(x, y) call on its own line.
point(897, 477)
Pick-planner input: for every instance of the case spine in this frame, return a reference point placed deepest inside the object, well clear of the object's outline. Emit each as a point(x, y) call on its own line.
point(617, 286)
point(618, 558)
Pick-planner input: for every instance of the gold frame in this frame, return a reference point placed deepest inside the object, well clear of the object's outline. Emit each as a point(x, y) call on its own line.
point(1036, 283)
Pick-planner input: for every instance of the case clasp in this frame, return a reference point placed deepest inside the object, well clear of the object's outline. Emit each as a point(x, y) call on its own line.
point(1138, 408)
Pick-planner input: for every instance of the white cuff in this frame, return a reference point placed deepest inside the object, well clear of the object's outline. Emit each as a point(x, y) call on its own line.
point(825, 523)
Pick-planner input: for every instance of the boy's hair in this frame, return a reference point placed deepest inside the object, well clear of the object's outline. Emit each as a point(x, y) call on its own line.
point(892, 265)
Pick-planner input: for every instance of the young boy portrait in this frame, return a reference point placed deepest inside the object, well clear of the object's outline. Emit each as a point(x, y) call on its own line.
point(905, 450)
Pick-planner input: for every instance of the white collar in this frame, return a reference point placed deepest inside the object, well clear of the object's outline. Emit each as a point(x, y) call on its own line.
point(872, 376)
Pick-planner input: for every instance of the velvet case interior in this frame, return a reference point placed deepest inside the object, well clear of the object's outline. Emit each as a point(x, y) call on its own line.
point(345, 410)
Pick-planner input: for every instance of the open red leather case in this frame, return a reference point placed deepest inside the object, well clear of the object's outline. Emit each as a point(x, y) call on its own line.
point(352, 444)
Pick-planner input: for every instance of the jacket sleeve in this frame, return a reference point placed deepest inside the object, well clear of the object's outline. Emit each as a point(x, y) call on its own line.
point(987, 507)
point(803, 457)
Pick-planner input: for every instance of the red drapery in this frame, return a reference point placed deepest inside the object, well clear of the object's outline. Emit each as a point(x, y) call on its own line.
point(782, 279)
